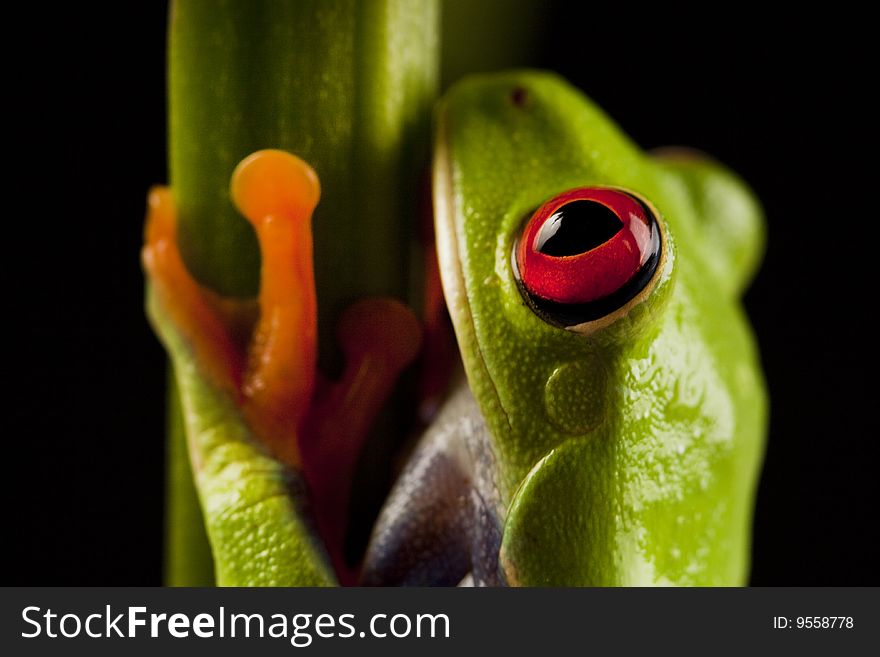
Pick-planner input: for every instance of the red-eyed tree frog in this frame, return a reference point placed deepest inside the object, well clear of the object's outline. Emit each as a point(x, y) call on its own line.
point(612, 425)
point(609, 428)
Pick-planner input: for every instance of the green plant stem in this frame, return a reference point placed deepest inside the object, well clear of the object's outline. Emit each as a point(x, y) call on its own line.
point(187, 560)
point(345, 84)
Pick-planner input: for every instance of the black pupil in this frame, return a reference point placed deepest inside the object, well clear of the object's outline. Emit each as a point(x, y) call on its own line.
point(577, 227)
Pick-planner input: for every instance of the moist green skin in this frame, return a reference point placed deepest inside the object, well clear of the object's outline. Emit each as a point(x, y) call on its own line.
point(254, 507)
point(628, 456)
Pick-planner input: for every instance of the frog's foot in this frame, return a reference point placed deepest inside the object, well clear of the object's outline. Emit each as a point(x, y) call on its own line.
point(379, 337)
point(190, 308)
point(271, 373)
point(277, 193)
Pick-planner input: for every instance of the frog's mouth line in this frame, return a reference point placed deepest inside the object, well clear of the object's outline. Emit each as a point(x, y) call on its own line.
point(448, 249)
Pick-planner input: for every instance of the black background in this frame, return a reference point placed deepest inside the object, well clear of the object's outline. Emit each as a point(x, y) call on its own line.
point(783, 101)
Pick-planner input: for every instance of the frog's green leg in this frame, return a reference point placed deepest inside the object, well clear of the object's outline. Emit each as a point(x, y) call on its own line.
point(730, 218)
point(272, 447)
point(250, 489)
point(581, 544)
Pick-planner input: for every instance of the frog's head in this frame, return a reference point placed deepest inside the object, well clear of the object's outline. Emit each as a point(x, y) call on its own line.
point(595, 291)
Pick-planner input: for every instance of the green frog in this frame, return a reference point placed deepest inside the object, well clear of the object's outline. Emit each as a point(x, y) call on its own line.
point(609, 424)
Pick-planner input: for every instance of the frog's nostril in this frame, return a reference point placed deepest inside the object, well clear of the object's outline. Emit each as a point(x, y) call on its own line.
point(519, 96)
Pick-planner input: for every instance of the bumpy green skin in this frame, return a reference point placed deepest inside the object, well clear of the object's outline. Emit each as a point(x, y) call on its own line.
point(253, 506)
point(629, 456)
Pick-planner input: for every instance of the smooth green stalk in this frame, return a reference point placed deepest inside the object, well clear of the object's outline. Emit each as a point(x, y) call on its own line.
point(345, 84)
point(188, 560)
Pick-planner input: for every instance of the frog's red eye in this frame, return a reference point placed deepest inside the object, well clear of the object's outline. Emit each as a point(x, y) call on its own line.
point(587, 252)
